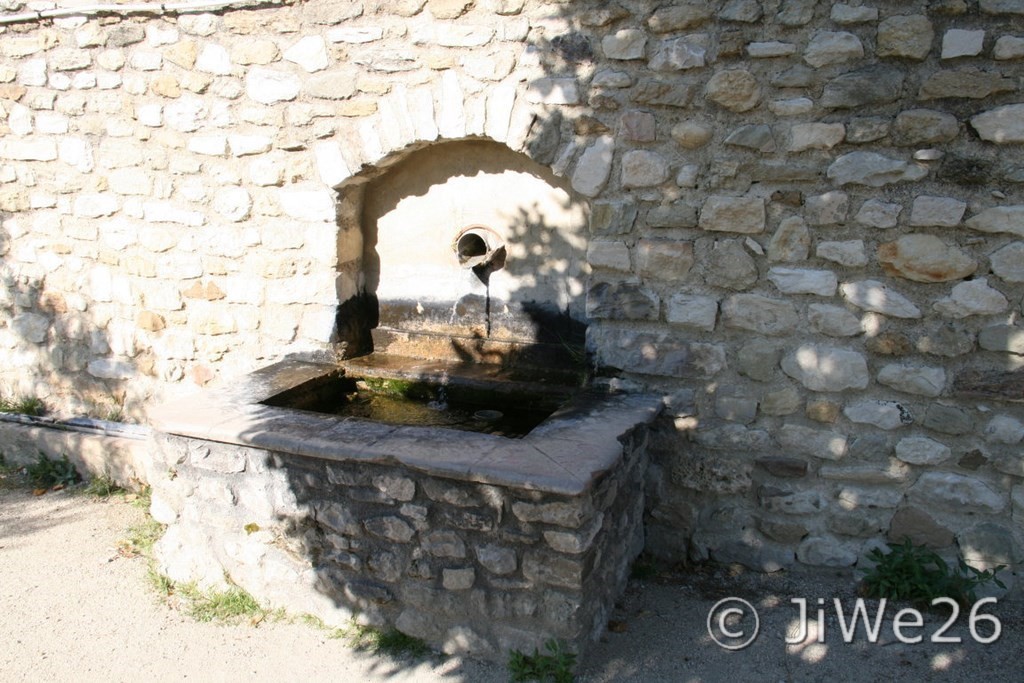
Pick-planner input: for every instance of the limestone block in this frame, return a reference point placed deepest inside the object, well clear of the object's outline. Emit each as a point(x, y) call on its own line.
point(908, 37)
point(948, 420)
point(759, 314)
point(497, 559)
point(872, 169)
point(873, 85)
point(209, 145)
point(612, 217)
point(680, 17)
point(755, 137)
point(1000, 7)
point(308, 203)
point(1001, 125)
point(695, 311)
point(675, 215)
point(973, 297)
point(214, 59)
point(785, 401)
point(1004, 429)
point(827, 209)
point(691, 134)
point(96, 204)
point(874, 296)
point(31, 327)
point(923, 381)
point(958, 42)
point(167, 212)
point(1007, 338)
point(823, 368)
point(744, 11)
point(791, 241)
point(1009, 47)
point(621, 300)
point(919, 450)
point(795, 106)
point(553, 91)
point(803, 281)
point(680, 54)
point(735, 89)
point(791, 502)
point(759, 359)
point(594, 166)
point(819, 443)
point(444, 543)
point(878, 214)
point(624, 44)
point(848, 253)
point(881, 414)
point(968, 82)
point(728, 264)
point(938, 211)
point(310, 53)
point(733, 214)
point(833, 321)
point(664, 259)
point(924, 127)
point(804, 136)
point(925, 258)
point(608, 255)
point(1008, 262)
point(390, 527)
point(956, 493)
point(1001, 219)
point(919, 527)
point(268, 86)
point(832, 47)
point(861, 497)
point(643, 168)
point(108, 368)
point(33, 149)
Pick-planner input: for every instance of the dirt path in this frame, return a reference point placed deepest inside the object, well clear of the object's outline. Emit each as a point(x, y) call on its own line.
point(73, 608)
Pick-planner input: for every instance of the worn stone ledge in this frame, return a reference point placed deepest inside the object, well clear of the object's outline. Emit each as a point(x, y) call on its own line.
point(563, 455)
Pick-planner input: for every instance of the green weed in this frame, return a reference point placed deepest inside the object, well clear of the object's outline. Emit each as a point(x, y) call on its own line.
point(554, 667)
point(919, 575)
point(390, 642)
point(102, 487)
point(25, 405)
point(46, 473)
point(228, 606)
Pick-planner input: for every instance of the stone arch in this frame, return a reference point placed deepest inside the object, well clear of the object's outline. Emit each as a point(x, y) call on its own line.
point(537, 220)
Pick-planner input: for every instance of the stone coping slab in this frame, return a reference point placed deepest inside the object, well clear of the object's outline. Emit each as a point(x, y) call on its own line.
point(565, 454)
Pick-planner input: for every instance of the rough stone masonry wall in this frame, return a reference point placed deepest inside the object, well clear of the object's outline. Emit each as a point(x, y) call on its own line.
point(469, 567)
point(806, 227)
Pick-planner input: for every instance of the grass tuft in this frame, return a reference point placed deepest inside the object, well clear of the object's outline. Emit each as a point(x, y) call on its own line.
point(46, 473)
point(390, 642)
point(102, 487)
point(25, 405)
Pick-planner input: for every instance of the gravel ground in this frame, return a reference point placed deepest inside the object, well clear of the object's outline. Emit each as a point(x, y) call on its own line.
point(73, 607)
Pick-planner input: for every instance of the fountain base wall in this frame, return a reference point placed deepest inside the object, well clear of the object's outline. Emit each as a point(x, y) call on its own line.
point(476, 544)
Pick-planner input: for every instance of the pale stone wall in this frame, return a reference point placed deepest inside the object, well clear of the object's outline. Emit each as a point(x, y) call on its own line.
point(806, 225)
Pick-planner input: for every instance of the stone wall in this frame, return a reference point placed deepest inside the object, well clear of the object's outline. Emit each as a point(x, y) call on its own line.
point(469, 567)
point(806, 223)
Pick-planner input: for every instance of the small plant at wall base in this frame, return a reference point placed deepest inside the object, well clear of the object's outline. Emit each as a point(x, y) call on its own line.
point(52, 474)
point(920, 575)
point(390, 642)
point(23, 406)
point(554, 667)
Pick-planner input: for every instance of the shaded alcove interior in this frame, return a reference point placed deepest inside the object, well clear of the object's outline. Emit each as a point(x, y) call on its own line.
point(468, 252)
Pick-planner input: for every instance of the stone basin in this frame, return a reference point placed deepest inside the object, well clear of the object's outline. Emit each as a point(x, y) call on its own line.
point(476, 543)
